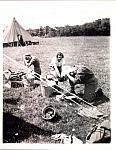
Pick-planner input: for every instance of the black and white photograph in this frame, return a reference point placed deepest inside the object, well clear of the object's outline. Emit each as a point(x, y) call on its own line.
point(56, 72)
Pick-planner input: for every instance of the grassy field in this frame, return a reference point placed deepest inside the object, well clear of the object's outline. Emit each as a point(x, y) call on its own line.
point(93, 52)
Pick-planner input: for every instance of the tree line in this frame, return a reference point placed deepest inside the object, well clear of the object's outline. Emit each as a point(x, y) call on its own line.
point(100, 27)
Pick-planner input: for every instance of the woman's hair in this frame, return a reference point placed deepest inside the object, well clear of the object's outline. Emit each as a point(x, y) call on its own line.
point(60, 54)
point(27, 54)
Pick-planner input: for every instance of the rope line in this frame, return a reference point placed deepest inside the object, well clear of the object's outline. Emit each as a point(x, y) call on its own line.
point(70, 93)
point(80, 106)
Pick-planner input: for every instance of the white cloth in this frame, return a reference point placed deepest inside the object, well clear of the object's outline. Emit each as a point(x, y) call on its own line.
point(65, 139)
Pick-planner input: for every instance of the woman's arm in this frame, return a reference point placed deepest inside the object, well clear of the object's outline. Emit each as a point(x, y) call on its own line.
point(33, 59)
point(75, 80)
point(71, 78)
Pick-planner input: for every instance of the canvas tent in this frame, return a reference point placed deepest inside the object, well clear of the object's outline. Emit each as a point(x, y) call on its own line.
point(16, 35)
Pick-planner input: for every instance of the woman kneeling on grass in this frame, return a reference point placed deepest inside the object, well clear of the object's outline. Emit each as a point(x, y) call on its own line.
point(82, 75)
point(30, 60)
point(56, 66)
point(34, 72)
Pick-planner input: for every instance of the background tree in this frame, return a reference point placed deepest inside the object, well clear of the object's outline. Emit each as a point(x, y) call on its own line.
point(100, 27)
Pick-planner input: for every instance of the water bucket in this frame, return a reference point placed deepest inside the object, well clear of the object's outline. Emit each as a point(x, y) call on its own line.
point(46, 91)
point(46, 88)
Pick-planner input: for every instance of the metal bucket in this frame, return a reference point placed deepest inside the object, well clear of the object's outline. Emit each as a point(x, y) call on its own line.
point(46, 88)
point(46, 91)
point(48, 112)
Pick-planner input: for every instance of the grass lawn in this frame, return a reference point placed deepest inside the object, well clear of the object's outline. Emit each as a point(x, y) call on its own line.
point(23, 107)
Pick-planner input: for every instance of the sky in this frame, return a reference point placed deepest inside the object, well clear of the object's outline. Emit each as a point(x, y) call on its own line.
point(33, 14)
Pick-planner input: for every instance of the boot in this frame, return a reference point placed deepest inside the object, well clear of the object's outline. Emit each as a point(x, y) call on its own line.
point(99, 92)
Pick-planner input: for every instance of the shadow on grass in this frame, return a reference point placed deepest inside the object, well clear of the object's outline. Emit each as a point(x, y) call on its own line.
point(15, 130)
point(100, 100)
point(56, 119)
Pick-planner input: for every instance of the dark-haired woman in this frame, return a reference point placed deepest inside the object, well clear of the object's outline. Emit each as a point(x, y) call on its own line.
point(56, 66)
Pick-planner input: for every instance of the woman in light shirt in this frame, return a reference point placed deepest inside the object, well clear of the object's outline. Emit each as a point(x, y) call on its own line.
point(56, 66)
